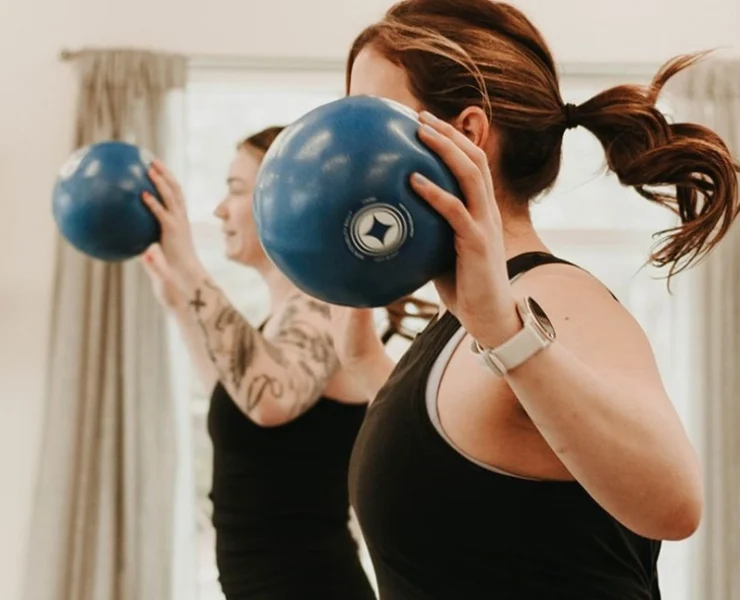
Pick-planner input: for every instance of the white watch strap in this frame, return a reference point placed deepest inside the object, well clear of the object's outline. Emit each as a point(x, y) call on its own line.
point(516, 350)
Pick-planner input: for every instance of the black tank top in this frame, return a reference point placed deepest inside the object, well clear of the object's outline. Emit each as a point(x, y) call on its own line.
point(441, 527)
point(281, 506)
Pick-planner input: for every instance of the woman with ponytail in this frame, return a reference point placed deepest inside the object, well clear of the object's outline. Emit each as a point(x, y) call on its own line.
point(525, 446)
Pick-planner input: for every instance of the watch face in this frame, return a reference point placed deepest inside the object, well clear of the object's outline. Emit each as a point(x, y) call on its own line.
point(542, 319)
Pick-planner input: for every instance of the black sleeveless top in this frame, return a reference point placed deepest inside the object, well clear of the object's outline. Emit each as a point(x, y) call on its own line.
point(281, 506)
point(439, 527)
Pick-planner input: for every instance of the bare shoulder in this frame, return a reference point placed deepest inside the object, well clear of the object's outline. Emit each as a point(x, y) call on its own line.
point(570, 292)
point(591, 323)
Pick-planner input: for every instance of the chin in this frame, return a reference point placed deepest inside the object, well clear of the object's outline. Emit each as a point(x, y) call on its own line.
point(231, 252)
point(241, 257)
point(252, 255)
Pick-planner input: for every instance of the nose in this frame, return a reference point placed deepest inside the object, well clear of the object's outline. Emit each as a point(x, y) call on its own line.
point(221, 211)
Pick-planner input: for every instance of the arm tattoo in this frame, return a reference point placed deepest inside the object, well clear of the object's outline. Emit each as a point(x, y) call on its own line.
point(258, 386)
point(319, 307)
point(234, 346)
point(311, 373)
point(229, 338)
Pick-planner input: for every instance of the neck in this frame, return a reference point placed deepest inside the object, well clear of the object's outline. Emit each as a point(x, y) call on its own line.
point(279, 286)
point(520, 235)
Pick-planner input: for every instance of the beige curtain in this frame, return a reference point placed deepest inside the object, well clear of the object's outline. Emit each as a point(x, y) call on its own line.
point(102, 517)
point(709, 94)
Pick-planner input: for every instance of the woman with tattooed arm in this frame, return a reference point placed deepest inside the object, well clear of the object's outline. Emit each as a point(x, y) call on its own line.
point(283, 417)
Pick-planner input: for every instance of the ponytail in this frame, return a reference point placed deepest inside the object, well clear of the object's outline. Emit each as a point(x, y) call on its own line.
point(488, 54)
point(648, 153)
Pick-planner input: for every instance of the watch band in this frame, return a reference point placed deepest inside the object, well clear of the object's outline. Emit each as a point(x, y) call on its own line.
point(522, 346)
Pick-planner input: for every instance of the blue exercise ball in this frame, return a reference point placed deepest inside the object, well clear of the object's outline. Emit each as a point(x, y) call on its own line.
point(97, 203)
point(334, 209)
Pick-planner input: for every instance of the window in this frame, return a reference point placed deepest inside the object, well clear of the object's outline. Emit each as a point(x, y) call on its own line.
point(588, 218)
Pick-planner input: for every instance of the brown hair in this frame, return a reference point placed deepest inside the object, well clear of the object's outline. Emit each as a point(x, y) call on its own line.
point(461, 53)
point(403, 310)
point(262, 140)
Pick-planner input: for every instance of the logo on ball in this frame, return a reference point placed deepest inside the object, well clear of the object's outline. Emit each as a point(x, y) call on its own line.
point(378, 230)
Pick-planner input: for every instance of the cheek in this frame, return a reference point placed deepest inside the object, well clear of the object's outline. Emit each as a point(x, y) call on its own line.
point(242, 214)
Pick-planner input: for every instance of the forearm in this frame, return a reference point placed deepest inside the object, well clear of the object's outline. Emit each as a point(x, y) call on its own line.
point(192, 335)
point(622, 451)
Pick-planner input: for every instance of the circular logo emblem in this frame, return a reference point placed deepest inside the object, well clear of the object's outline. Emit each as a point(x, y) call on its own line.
point(378, 230)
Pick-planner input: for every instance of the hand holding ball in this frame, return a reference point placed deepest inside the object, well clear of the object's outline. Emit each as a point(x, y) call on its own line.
point(97, 201)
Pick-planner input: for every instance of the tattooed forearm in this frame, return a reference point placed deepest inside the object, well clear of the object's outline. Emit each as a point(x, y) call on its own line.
point(229, 338)
point(243, 352)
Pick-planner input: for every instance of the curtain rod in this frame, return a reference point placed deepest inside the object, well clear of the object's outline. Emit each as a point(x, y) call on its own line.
point(571, 68)
point(215, 62)
point(236, 62)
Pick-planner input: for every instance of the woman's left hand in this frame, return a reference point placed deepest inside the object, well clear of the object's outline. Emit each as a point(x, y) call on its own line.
point(478, 293)
point(176, 238)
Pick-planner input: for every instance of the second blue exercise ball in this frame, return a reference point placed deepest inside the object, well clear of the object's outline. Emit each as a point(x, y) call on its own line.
point(335, 211)
point(97, 201)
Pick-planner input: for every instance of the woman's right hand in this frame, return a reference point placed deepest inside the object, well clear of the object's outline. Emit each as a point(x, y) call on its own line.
point(160, 273)
point(176, 240)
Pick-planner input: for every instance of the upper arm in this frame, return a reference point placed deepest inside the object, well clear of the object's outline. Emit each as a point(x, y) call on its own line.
point(298, 344)
point(608, 417)
point(301, 332)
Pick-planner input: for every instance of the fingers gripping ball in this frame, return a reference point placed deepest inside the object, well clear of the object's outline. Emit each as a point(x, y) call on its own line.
point(97, 201)
point(334, 209)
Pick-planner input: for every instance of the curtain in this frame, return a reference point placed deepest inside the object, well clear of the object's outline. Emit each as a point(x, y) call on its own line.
point(709, 94)
point(102, 525)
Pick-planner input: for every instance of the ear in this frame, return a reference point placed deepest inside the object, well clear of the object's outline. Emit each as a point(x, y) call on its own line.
point(473, 123)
